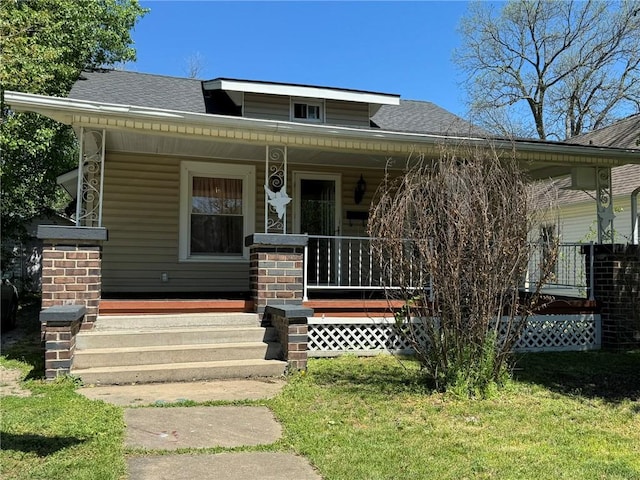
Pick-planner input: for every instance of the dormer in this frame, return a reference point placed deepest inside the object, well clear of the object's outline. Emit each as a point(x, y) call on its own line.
point(293, 102)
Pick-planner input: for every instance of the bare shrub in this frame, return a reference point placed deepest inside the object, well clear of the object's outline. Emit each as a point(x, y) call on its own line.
point(460, 223)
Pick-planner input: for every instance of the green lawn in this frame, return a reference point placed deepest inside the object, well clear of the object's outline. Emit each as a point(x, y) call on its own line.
point(574, 416)
point(372, 419)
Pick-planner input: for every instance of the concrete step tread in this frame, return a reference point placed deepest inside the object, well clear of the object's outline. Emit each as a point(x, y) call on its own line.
point(125, 322)
point(175, 330)
point(160, 348)
point(179, 366)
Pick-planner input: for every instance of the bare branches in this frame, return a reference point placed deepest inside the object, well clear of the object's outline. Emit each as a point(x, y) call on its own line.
point(461, 224)
point(565, 66)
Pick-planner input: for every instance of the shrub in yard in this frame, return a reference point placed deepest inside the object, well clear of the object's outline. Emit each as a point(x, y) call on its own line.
point(453, 233)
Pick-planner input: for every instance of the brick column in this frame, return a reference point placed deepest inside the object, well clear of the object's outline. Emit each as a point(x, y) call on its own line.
point(291, 324)
point(617, 291)
point(276, 269)
point(72, 268)
point(60, 325)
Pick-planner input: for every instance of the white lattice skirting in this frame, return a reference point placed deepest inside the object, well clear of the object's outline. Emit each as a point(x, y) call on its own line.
point(370, 336)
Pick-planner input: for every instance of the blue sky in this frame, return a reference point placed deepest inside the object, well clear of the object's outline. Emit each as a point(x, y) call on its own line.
point(392, 47)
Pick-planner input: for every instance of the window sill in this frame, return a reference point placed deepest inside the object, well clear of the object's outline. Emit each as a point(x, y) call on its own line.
point(214, 260)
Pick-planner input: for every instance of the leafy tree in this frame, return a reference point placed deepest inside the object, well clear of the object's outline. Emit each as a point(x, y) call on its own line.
point(551, 68)
point(45, 44)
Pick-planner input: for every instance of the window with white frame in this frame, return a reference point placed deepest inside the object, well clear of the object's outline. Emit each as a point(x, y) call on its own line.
point(216, 210)
point(308, 111)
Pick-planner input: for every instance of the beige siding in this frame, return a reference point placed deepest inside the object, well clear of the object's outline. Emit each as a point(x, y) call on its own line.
point(278, 107)
point(141, 212)
point(268, 107)
point(347, 113)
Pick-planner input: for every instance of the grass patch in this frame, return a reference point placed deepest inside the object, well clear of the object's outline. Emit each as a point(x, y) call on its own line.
point(373, 419)
point(54, 433)
point(57, 433)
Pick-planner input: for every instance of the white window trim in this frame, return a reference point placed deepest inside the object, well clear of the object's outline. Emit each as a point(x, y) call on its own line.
point(190, 169)
point(307, 101)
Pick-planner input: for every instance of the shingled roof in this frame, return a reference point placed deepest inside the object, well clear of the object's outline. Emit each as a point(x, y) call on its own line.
point(186, 95)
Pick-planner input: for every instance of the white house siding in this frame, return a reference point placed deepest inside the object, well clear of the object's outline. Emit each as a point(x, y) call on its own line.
point(577, 222)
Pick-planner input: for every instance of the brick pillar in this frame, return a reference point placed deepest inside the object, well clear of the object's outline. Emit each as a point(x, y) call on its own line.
point(617, 291)
point(291, 325)
point(276, 269)
point(60, 325)
point(72, 268)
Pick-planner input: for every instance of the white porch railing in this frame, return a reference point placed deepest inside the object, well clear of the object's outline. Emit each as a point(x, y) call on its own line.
point(347, 263)
point(569, 275)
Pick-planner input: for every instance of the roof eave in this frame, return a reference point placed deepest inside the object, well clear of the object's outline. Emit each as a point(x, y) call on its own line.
point(72, 112)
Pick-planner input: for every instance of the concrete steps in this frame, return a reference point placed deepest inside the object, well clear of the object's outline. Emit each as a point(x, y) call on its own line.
point(170, 348)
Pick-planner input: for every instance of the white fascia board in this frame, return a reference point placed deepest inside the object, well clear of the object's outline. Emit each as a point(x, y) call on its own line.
point(53, 107)
point(303, 91)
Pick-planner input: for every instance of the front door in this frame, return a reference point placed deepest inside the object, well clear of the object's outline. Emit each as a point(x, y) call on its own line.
point(318, 213)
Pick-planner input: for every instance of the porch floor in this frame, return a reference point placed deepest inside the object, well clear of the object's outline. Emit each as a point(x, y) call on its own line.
point(329, 307)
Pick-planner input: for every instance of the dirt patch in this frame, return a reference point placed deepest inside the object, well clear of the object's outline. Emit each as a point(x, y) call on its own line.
point(10, 383)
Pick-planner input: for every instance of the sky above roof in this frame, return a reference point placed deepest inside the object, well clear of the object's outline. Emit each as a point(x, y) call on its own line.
point(394, 47)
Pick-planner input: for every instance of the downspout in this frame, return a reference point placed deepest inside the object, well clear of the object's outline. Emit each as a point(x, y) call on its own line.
point(634, 216)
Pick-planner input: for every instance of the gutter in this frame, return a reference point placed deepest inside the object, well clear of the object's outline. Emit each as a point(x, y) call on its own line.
point(53, 106)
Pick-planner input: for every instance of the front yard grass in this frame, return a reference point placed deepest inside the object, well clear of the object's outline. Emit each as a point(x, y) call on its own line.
point(372, 418)
point(570, 415)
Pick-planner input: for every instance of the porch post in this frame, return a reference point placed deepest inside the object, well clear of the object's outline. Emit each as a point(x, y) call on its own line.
point(90, 178)
point(615, 273)
point(72, 268)
point(276, 198)
point(276, 269)
point(604, 199)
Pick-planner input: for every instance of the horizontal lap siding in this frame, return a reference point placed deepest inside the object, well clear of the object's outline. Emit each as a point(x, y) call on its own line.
point(141, 212)
point(268, 107)
point(578, 222)
point(347, 113)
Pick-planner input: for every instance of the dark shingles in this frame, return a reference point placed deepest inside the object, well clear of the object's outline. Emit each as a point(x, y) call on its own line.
point(415, 116)
point(185, 94)
point(140, 89)
point(624, 133)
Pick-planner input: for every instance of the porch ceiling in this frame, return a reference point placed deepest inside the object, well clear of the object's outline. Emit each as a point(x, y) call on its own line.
point(134, 142)
point(186, 146)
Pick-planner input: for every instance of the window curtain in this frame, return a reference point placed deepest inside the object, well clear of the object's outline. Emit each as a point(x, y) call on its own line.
point(216, 216)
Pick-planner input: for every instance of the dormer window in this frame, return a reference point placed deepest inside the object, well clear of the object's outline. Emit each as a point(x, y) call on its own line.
point(306, 111)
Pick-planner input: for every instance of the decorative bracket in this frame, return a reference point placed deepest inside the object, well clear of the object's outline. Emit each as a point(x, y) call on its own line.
point(276, 198)
point(90, 178)
point(604, 199)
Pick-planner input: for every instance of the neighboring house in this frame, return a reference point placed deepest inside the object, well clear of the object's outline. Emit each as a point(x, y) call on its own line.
point(24, 269)
point(576, 217)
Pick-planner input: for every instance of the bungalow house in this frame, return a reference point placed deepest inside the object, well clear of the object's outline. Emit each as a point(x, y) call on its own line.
point(239, 196)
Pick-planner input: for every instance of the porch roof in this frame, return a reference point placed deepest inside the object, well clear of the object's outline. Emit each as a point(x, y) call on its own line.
point(240, 137)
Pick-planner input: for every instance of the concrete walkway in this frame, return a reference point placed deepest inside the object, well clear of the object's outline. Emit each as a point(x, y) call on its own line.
point(152, 428)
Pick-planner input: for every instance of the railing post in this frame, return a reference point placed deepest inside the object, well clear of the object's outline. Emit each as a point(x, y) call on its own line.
point(305, 269)
point(592, 275)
